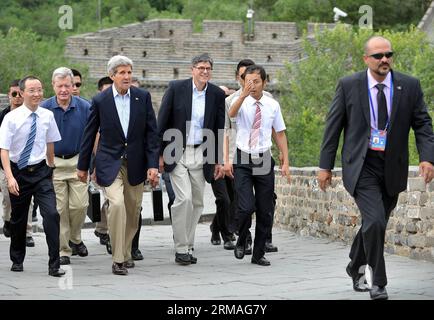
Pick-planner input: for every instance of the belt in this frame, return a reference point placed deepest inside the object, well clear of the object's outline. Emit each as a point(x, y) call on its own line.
point(66, 156)
point(253, 156)
point(194, 145)
point(30, 168)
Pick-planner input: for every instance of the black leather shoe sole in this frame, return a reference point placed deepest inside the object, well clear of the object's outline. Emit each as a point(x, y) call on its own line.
point(17, 267)
point(56, 272)
point(64, 260)
point(30, 242)
point(183, 259)
point(261, 262)
point(377, 293)
point(270, 248)
point(239, 252)
point(137, 255)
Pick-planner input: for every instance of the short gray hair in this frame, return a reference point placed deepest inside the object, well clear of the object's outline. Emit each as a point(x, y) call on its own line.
point(62, 73)
point(117, 61)
point(204, 57)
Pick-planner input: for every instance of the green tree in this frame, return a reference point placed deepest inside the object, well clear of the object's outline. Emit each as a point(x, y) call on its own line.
point(23, 53)
point(308, 86)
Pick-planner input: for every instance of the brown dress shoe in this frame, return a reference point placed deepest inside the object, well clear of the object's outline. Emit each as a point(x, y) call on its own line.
point(129, 264)
point(119, 269)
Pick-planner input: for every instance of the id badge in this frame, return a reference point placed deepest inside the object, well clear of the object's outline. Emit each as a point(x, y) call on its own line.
point(378, 140)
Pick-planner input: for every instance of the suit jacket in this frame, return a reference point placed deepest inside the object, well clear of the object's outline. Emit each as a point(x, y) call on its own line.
point(350, 111)
point(175, 111)
point(141, 145)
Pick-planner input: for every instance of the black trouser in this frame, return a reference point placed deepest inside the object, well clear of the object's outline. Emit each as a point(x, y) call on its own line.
point(135, 244)
point(375, 206)
point(255, 194)
point(34, 181)
point(170, 192)
point(224, 196)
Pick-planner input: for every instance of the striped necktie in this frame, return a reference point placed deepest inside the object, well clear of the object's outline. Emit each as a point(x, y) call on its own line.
point(25, 155)
point(254, 134)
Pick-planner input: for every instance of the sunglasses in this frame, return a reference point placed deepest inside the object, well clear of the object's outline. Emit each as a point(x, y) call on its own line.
point(380, 56)
point(15, 94)
point(78, 84)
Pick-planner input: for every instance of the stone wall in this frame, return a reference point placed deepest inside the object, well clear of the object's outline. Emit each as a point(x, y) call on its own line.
point(4, 101)
point(162, 49)
point(303, 208)
point(427, 23)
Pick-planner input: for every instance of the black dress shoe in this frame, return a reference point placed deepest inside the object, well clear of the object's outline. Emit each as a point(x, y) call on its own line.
point(229, 245)
point(103, 237)
point(73, 247)
point(239, 251)
point(215, 237)
point(17, 267)
point(356, 276)
point(248, 250)
point(56, 272)
point(81, 249)
point(119, 269)
point(378, 293)
point(193, 260)
point(7, 229)
point(262, 261)
point(64, 260)
point(108, 246)
point(269, 247)
point(182, 258)
point(30, 242)
point(136, 255)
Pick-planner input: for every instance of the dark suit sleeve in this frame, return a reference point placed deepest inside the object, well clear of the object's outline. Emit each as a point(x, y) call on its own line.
point(152, 146)
point(164, 115)
point(88, 140)
point(422, 126)
point(334, 124)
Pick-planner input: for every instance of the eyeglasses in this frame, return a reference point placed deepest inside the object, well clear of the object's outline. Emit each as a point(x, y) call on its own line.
point(202, 69)
point(380, 56)
point(78, 84)
point(15, 94)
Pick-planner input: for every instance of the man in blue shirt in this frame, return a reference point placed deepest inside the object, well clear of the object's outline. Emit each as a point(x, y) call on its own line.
point(71, 113)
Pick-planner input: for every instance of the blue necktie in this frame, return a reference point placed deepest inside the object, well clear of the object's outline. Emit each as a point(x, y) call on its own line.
point(25, 155)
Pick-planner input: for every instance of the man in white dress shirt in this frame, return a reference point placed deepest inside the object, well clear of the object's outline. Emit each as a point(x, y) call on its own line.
point(256, 116)
point(27, 135)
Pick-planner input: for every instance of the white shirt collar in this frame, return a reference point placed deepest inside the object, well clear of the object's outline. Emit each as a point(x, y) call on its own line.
point(197, 90)
point(372, 82)
point(116, 93)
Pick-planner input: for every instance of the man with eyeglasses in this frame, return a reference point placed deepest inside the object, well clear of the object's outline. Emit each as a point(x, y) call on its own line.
point(15, 100)
point(190, 110)
point(376, 109)
point(71, 113)
point(77, 82)
point(27, 135)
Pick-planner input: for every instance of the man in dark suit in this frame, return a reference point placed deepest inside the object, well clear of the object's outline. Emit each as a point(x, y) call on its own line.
point(127, 149)
point(376, 109)
point(191, 113)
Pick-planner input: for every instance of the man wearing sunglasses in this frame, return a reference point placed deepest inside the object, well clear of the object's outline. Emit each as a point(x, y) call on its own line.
point(376, 109)
point(15, 100)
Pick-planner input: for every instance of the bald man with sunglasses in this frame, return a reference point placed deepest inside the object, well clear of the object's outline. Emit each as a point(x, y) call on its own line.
point(376, 109)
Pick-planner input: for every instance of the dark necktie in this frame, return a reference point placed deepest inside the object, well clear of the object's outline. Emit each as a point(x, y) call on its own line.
point(382, 107)
point(25, 154)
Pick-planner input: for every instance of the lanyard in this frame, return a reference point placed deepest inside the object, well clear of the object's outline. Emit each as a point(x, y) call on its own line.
point(391, 100)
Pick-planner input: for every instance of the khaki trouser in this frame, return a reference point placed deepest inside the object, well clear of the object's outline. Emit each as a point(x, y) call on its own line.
point(101, 226)
point(72, 201)
point(188, 183)
point(6, 204)
point(123, 214)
